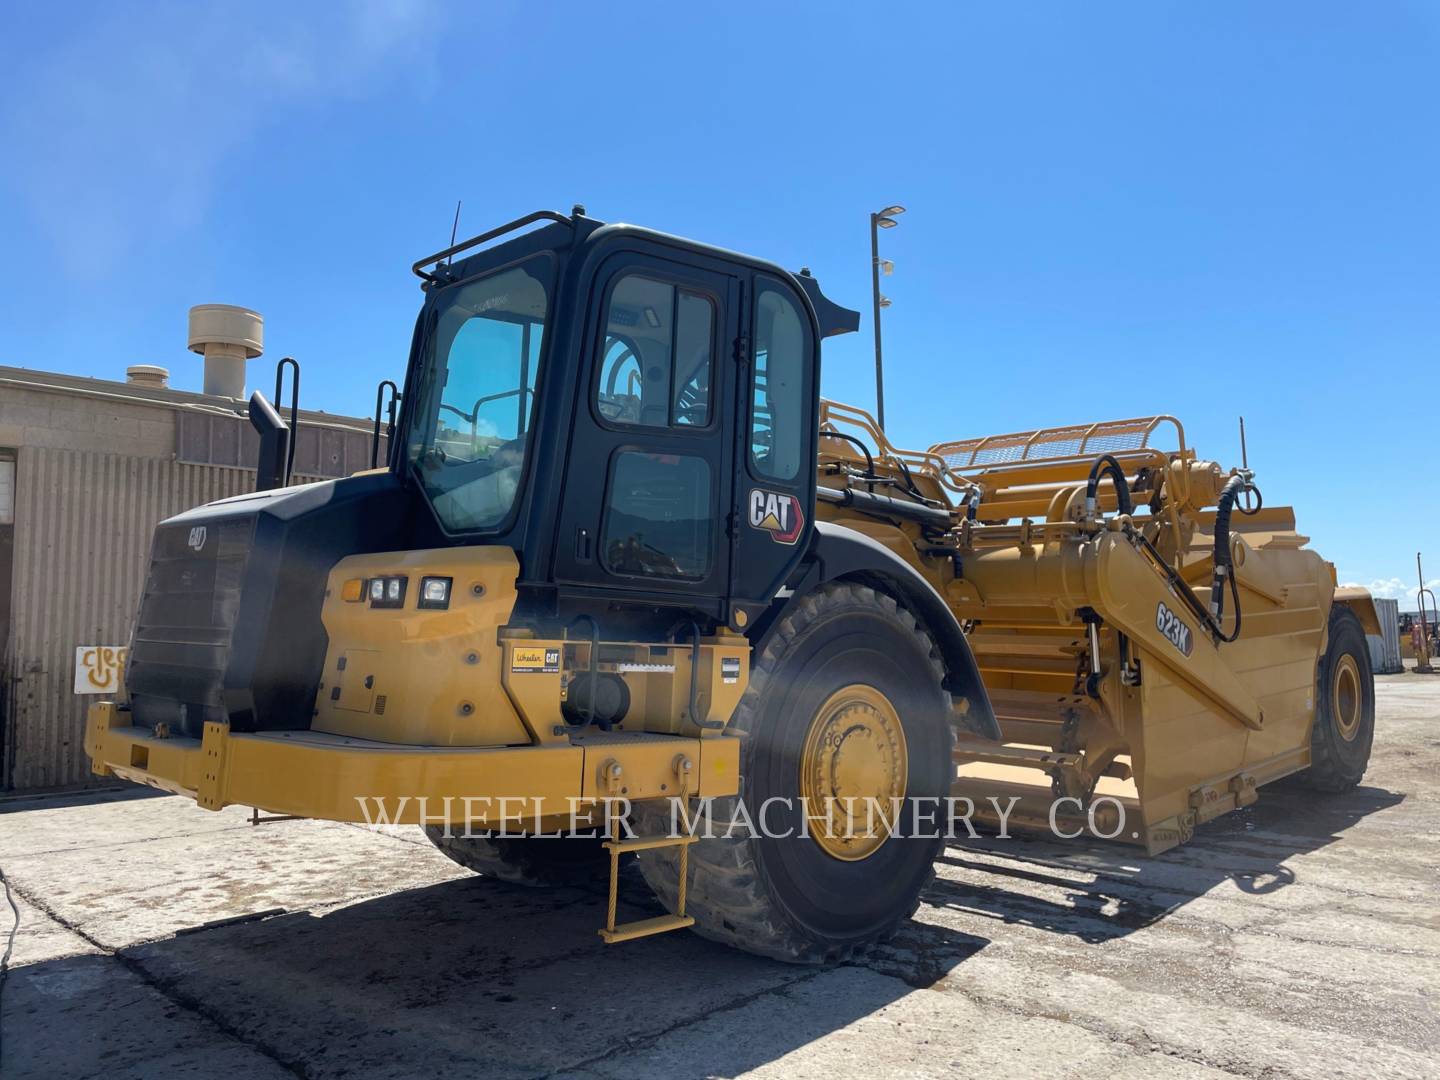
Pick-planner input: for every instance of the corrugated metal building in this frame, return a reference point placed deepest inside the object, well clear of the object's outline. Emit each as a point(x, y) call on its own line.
point(87, 467)
point(1385, 649)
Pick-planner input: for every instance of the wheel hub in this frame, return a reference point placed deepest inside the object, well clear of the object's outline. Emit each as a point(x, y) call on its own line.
point(853, 768)
point(1345, 697)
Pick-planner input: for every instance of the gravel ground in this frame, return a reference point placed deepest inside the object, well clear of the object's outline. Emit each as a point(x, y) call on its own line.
point(1298, 938)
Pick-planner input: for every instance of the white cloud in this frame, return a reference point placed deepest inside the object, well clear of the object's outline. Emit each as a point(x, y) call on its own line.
point(122, 129)
point(1395, 588)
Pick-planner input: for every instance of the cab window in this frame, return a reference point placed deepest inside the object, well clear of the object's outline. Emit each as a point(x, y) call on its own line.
point(477, 395)
point(658, 517)
point(778, 413)
point(656, 358)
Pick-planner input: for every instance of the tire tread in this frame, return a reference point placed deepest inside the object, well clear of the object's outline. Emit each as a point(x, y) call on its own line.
point(728, 894)
point(1327, 772)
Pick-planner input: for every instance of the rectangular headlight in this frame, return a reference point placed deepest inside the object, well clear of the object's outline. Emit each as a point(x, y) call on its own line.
point(434, 593)
point(388, 591)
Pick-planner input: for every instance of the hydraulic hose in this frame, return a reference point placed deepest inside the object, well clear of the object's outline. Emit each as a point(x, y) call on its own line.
point(869, 458)
point(871, 476)
point(1228, 495)
point(1104, 465)
point(1236, 486)
point(933, 517)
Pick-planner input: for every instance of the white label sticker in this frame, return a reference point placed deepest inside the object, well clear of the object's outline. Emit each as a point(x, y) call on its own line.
point(98, 668)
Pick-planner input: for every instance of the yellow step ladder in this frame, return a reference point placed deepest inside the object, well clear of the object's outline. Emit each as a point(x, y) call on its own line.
point(659, 924)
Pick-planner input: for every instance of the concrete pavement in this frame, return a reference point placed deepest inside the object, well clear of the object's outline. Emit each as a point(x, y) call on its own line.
point(1297, 938)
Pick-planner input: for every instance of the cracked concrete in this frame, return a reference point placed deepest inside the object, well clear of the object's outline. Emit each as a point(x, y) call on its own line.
point(1298, 938)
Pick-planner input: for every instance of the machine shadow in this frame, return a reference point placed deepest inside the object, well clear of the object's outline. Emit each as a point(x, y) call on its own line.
point(473, 977)
point(88, 795)
point(1110, 890)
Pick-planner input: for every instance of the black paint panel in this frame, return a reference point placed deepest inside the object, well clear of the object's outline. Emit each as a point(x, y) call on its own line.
point(229, 628)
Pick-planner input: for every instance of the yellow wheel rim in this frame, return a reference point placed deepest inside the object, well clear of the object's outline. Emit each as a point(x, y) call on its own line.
point(1345, 697)
point(852, 770)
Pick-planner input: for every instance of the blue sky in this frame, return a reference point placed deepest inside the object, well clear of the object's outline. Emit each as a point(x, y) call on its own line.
point(1114, 209)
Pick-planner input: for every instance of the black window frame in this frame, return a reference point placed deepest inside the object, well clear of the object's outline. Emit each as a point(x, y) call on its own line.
point(762, 283)
point(424, 376)
point(717, 319)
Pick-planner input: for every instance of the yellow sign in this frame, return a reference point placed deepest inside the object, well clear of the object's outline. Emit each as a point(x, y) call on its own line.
point(528, 658)
point(98, 668)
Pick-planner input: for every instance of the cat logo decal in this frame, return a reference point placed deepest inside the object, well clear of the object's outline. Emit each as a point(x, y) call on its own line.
point(779, 515)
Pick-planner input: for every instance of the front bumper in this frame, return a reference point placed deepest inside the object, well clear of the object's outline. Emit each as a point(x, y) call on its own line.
point(338, 778)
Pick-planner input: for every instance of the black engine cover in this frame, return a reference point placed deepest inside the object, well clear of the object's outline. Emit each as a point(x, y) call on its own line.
point(229, 627)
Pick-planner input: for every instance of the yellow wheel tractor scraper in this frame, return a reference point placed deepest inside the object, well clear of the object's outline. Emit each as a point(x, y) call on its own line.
point(627, 585)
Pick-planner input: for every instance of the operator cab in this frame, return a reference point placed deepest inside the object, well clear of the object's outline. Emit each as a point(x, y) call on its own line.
point(631, 414)
point(634, 414)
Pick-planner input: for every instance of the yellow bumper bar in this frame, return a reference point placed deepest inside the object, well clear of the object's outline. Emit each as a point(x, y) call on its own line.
point(332, 777)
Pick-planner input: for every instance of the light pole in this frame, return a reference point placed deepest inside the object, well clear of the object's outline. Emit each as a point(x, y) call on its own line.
point(885, 219)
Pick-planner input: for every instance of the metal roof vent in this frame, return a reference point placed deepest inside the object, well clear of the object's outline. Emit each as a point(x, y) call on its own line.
point(227, 337)
point(147, 375)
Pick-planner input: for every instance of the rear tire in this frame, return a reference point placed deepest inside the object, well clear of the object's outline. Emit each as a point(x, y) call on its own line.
point(1344, 727)
point(526, 860)
point(847, 697)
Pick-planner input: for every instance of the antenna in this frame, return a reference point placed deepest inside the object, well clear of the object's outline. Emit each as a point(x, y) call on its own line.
point(1249, 501)
point(454, 227)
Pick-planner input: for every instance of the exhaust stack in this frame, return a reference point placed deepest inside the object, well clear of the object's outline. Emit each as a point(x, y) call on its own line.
point(227, 337)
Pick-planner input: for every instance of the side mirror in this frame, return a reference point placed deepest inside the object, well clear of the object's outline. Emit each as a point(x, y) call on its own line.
point(274, 443)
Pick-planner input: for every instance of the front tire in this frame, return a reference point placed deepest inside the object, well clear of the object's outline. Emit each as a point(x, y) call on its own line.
point(1344, 727)
point(846, 701)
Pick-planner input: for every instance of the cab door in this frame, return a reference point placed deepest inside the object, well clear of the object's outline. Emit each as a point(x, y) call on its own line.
point(778, 398)
point(649, 483)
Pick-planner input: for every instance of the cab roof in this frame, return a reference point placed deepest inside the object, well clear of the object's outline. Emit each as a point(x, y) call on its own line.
point(577, 229)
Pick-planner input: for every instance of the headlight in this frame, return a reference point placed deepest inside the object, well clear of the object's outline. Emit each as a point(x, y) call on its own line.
point(435, 593)
point(387, 592)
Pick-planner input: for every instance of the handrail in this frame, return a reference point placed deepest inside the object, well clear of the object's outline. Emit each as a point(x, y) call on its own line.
point(473, 416)
point(1078, 440)
point(475, 241)
point(837, 412)
point(390, 422)
point(956, 464)
point(294, 366)
point(1077, 437)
